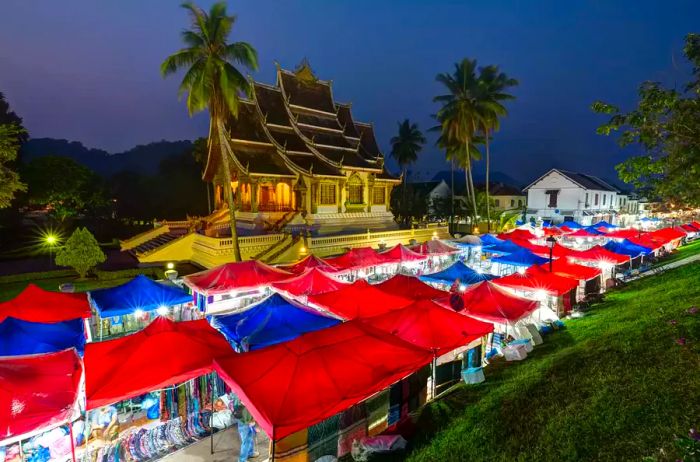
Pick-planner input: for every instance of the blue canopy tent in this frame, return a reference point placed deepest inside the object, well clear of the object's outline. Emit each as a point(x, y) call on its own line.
point(571, 225)
point(522, 257)
point(490, 239)
point(593, 230)
point(460, 271)
point(19, 337)
point(141, 293)
point(546, 223)
point(505, 247)
point(273, 320)
point(627, 248)
point(603, 224)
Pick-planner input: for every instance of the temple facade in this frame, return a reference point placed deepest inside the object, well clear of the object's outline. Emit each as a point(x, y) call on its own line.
point(301, 160)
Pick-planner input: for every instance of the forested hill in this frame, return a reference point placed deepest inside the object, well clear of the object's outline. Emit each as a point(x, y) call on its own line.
point(143, 159)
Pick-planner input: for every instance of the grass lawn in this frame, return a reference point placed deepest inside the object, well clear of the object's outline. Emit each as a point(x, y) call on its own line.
point(11, 289)
point(614, 385)
point(686, 251)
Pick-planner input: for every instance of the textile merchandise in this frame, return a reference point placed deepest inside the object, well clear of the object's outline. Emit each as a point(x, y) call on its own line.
point(353, 426)
point(323, 438)
point(293, 448)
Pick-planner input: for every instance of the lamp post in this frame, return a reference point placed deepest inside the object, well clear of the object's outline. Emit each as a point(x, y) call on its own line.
point(550, 243)
point(51, 240)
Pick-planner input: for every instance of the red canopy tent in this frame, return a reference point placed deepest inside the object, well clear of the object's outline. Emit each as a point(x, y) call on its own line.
point(566, 229)
point(163, 354)
point(563, 267)
point(410, 287)
point(37, 392)
point(690, 229)
point(431, 326)
point(434, 248)
point(541, 250)
point(623, 233)
point(487, 302)
point(35, 304)
point(358, 258)
point(599, 254)
point(400, 254)
point(296, 384)
point(312, 282)
point(695, 224)
point(538, 279)
point(245, 275)
point(554, 231)
point(522, 234)
point(668, 234)
point(312, 261)
point(582, 233)
point(359, 300)
point(648, 241)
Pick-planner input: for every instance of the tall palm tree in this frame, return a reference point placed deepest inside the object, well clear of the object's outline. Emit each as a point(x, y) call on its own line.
point(491, 93)
point(405, 147)
point(458, 116)
point(212, 82)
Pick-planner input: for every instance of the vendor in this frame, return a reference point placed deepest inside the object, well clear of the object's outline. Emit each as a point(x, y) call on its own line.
point(105, 423)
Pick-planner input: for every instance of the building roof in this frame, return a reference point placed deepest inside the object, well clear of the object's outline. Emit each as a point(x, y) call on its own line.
point(295, 127)
point(500, 189)
point(584, 180)
point(425, 187)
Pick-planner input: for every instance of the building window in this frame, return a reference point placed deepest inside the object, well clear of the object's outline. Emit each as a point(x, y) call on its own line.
point(497, 202)
point(379, 196)
point(520, 202)
point(595, 199)
point(586, 204)
point(512, 202)
point(553, 194)
point(327, 194)
point(355, 194)
point(604, 197)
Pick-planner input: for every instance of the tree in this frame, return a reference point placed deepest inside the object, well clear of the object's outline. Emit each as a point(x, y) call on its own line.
point(491, 93)
point(80, 252)
point(665, 125)
point(408, 205)
point(10, 135)
point(212, 82)
point(458, 116)
point(66, 188)
point(406, 145)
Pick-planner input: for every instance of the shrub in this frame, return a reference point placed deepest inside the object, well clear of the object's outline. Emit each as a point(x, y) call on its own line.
point(81, 252)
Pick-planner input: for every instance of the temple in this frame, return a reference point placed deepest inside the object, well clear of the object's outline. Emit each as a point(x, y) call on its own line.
point(301, 160)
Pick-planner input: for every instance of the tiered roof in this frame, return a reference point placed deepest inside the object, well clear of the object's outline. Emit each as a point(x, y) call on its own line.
point(295, 127)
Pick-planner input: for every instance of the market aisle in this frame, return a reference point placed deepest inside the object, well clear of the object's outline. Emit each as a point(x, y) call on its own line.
point(226, 446)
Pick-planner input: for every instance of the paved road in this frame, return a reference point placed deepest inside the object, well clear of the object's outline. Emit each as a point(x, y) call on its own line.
point(226, 445)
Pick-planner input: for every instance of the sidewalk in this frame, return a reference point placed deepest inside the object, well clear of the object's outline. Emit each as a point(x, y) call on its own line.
point(662, 268)
point(226, 445)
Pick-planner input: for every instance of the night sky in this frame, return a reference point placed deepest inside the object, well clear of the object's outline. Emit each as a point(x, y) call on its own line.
point(88, 70)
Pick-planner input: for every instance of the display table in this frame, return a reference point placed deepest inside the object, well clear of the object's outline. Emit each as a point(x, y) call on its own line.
point(525, 342)
point(473, 375)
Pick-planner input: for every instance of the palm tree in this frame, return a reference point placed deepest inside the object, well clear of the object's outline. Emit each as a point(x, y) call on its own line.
point(492, 86)
point(405, 147)
point(458, 116)
point(212, 82)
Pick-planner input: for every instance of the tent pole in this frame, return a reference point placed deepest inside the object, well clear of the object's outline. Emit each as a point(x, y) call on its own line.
point(21, 452)
point(434, 376)
point(272, 442)
point(72, 440)
point(211, 425)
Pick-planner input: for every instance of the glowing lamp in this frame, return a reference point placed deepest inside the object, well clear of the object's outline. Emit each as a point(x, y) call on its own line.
point(170, 265)
point(51, 239)
point(522, 270)
point(162, 310)
point(138, 312)
point(462, 287)
point(541, 294)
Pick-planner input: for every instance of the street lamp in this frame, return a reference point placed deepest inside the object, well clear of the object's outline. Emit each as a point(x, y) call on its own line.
point(550, 243)
point(50, 241)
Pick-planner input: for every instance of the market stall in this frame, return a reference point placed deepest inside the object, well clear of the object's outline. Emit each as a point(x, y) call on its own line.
point(555, 294)
point(35, 304)
point(313, 281)
point(517, 261)
point(361, 263)
point(597, 256)
point(294, 385)
point(269, 322)
point(405, 260)
point(19, 337)
point(458, 271)
point(233, 285)
point(589, 277)
point(409, 287)
point(358, 300)
point(308, 262)
point(129, 307)
point(438, 252)
point(38, 393)
point(626, 247)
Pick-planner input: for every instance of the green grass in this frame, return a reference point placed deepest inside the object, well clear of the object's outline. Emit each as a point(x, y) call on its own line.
point(686, 251)
point(613, 385)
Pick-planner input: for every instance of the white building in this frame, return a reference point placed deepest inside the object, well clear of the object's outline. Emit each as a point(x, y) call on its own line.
point(433, 191)
point(560, 195)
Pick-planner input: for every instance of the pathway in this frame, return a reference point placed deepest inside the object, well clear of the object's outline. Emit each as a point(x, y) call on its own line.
point(226, 445)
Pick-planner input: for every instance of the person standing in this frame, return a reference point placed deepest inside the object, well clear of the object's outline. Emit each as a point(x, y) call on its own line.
point(246, 430)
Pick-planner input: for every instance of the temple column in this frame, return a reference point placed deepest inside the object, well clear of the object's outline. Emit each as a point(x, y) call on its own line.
point(253, 195)
point(342, 196)
point(314, 196)
point(368, 193)
point(239, 195)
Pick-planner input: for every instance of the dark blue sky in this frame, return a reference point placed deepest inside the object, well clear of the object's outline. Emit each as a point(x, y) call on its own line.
point(88, 71)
